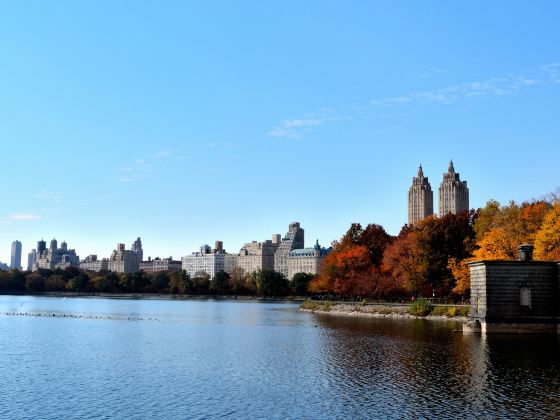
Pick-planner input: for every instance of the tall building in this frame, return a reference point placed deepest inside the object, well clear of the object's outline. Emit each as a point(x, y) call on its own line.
point(55, 257)
point(137, 247)
point(294, 239)
point(453, 193)
point(125, 260)
point(15, 263)
point(420, 198)
point(31, 259)
point(307, 260)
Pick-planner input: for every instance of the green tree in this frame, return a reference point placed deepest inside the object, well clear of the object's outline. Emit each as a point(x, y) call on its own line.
point(271, 283)
point(300, 283)
point(160, 281)
point(180, 282)
point(201, 283)
point(139, 281)
point(220, 283)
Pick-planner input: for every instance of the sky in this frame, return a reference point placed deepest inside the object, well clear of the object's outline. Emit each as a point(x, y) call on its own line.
point(193, 121)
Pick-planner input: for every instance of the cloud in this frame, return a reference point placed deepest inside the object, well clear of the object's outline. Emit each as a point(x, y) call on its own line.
point(54, 196)
point(508, 85)
point(22, 217)
point(294, 128)
point(145, 165)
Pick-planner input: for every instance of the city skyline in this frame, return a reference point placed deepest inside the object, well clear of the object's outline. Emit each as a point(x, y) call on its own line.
point(181, 125)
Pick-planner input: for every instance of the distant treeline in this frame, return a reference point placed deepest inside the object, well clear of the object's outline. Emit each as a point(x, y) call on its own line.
point(261, 283)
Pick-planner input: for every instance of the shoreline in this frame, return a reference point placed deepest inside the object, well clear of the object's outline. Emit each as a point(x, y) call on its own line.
point(155, 296)
point(387, 311)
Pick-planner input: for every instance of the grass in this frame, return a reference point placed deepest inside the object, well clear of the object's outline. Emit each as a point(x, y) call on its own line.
point(310, 305)
point(449, 311)
point(420, 307)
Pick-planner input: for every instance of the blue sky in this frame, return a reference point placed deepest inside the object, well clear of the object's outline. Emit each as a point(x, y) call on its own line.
point(186, 122)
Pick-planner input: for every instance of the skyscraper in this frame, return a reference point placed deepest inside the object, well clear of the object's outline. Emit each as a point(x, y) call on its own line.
point(420, 198)
point(15, 263)
point(453, 193)
point(294, 239)
point(137, 247)
point(31, 259)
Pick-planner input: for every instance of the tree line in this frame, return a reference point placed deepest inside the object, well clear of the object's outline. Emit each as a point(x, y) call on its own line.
point(264, 283)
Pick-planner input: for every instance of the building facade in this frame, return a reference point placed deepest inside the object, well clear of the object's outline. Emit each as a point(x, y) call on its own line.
point(124, 261)
point(453, 193)
point(55, 257)
point(160, 264)
point(420, 198)
point(294, 239)
point(254, 256)
point(306, 260)
point(31, 259)
point(15, 262)
point(91, 263)
point(206, 261)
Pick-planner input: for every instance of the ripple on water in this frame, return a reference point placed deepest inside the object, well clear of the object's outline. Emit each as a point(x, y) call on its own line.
point(251, 360)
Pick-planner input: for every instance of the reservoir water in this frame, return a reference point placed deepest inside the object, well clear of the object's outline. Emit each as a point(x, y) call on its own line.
point(124, 358)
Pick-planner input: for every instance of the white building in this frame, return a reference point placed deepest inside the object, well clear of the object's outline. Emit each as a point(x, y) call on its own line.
point(91, 263)
point(206, 261)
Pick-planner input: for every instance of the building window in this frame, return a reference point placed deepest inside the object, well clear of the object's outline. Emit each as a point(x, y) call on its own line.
point(525, 297)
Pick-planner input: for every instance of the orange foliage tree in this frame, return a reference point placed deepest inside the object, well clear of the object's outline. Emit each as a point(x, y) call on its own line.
point(352, 268)
point(547, 243)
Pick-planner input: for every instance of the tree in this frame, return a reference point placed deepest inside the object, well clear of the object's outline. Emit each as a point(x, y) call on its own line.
point(34, 282)
point(220, 283)
point(403, 263)
point(461, 273)
point(79, 282)
point(160, 281)
point(547, 243)
point(300, 283)
point(438, 240)
point(271, 283)
point(201, 283)
point(139, 281)
point(238, 281)
point(180, 282)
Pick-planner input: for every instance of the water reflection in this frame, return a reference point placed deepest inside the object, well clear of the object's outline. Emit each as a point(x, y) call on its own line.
point(184, 359)
point(423, 368)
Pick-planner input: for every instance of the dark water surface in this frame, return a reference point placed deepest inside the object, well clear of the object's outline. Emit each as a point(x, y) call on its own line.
point(117, 358)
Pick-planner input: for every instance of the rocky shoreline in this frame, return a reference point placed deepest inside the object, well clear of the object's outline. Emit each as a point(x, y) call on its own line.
point(373, 311)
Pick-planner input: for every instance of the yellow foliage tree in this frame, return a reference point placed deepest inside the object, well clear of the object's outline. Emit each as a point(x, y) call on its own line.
point(497, 244)
point(462, 275)
point(547, 243)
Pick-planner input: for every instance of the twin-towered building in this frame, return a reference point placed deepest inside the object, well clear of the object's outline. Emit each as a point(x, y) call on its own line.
point(453, 195)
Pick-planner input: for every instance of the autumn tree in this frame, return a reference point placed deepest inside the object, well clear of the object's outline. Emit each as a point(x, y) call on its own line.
point(547, 243)
point(438, 240)
point(403, 263)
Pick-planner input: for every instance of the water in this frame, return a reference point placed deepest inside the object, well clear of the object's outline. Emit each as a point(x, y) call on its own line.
point(116, 358)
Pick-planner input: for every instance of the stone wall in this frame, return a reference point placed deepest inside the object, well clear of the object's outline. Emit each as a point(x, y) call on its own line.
point(515, 292)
